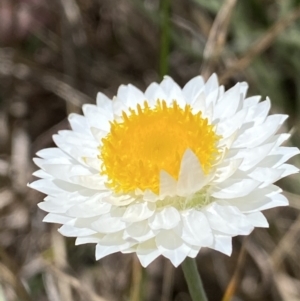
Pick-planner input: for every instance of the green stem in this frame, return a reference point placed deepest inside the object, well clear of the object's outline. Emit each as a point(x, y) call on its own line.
point(165, 37)
point(193, 280)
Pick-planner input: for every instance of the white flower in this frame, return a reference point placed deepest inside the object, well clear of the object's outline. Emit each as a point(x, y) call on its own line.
point(167, 171)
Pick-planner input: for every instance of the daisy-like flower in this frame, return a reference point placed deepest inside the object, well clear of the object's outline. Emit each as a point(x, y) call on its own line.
point(165, 172)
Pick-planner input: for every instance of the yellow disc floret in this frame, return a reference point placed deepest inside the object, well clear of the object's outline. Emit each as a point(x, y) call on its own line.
point(148, 140)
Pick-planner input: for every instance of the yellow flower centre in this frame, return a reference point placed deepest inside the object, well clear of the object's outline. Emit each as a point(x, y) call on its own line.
point(148, 140)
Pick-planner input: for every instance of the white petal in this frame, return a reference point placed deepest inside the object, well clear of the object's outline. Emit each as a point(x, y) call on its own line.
point(139, 231)
point(200, 104)
point(228, 104)
point(98, 134)
point(78, 123)
point(167, 218)
point(119, 106)
point(191, 175)
point(76, 147)
point(45, 186)
point(211, 100)
point(171, 246)
point(102, 251)
point(172, 91)
point(71, 198)
point(57, 218)
point(135, 96)
point(212, 84)
point(66, 171)
point(53, 207)
point(97, 117)
point(258, 200)
point(288, 169)
point(228, 126)
point(257, 219)
point(251, 101)
point(121, 200)
point(259, 112)
point(196, 229)
point(42, 174)
point(252, 157)
point(227, 220)
point(278, 200)
point(256, 135)
point(222, 243)
point(108, 223)
point(194, 251)
point(150, 196)
point(147, 252)
point(122, 94)
point(111, 243)
point(279, 139)
point(130, 96)
point(286, 152)
point(192, 89)
point(244, 88)
point(167, 186)
point(208, 113)
point(53, 152)
point(93, 163)
point(234, 188)
point(92, 207)
point(60, 161)
point(70, 231)
point(226, 169)
point(154, 92)
point(94, 181)
point(266, 175)
point(138, 212)
point(89, 239)
point(104, 102)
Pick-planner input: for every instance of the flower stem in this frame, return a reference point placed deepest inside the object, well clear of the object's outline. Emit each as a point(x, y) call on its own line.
point(193, 280)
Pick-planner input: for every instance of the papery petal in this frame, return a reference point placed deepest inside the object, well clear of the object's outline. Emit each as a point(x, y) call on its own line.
point(223, 243)
point(256, 135)
point(257, 219)
point(228, 104)
point(196, 229)
point(154, 92)
point(172, 91)
point(104, 102)
point(109, 223)
point(218, 217)
point(147, 252)
point(191, 176)
point(79, 123)
point(139, 231)
point(192, 89)
point(167, 185)
point(172, 246)
point(212, 84)
point(167, 218)
point(70, 231)
point(233, 188)
point(138, 212)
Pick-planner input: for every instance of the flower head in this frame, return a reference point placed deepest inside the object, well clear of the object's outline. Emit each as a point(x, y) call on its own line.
point(167, 171)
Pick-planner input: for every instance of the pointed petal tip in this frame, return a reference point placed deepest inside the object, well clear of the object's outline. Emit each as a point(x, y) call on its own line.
point(191, 176)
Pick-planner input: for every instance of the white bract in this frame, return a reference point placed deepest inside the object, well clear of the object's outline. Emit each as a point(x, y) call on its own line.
point(165, 172)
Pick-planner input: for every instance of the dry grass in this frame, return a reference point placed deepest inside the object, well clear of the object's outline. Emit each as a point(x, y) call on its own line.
point(56, 55)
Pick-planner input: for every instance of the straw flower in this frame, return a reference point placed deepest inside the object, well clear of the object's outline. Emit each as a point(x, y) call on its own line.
point(165, 172)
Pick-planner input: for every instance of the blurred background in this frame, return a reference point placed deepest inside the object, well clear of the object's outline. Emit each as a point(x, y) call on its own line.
point(56, 55)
